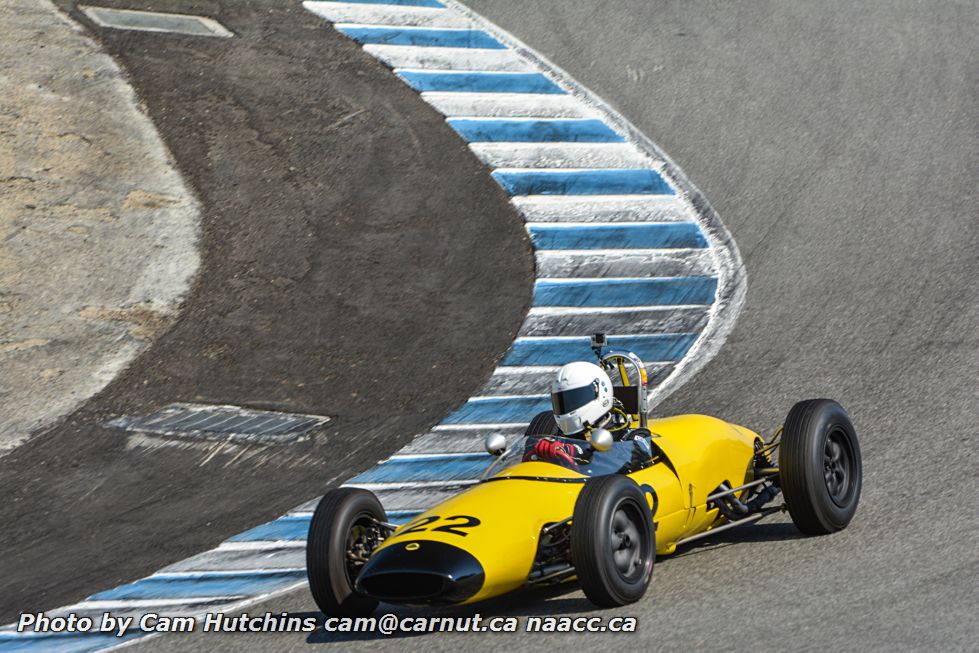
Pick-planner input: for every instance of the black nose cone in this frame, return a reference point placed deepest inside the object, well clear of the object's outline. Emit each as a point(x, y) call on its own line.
point(421, 573)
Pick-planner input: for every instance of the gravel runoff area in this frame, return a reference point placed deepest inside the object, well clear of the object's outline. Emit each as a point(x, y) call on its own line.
point(97, 227)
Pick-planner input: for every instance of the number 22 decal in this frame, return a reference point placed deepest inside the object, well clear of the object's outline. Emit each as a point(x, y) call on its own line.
point(461, 521)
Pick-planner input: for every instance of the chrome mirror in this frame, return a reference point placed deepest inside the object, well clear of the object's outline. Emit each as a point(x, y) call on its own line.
point(495, 444)
point(601, 440)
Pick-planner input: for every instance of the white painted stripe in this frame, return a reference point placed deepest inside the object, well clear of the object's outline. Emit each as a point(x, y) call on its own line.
point(375, 487)
point(190, 574)
point(527, 369)
point(603, 208)
point(352, 26)
point(153, 603)
point(579, 226)
point(507, 396)
point(565, 310)
point(645, 320)
point(477, 427)
point(561, 172)
point(257, 545)
point(562, 155)
point(435, 58)
point(558, 253)
point(564, 280)
point(628, 263)
point(346, 13)
point(476, 399)
point(275, 559)
point(503, 382)
point(601, 309)
point(417, 456)
point(579, 337)
point(506, 105)
point(184, 575)
point(525, 119)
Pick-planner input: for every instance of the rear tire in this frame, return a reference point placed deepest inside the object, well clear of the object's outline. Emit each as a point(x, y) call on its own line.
point(820, 470)
point(342, 516)
point(613, 544)
point(542, 424)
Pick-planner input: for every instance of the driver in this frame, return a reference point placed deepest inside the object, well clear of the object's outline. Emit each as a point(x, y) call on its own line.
point(582, 400)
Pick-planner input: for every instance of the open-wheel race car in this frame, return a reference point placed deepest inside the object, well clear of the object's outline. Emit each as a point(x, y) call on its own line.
point(595, 505)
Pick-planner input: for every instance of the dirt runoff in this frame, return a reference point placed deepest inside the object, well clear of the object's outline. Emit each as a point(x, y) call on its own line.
point(97, 229)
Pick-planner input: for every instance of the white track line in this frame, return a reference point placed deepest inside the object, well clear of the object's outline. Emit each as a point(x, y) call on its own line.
point(526, 156)
point(506, 105)
point(387, 15)
point(423, 57)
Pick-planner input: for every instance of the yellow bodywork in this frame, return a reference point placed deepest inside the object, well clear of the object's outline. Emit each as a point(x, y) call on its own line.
point(698, 453)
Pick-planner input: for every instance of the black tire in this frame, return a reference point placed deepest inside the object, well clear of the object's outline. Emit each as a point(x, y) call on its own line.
point(542, 424)
point(343, 515)
point(612, 573)
point(820, 470)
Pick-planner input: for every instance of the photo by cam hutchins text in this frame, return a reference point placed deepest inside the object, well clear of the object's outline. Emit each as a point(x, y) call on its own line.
point(155, 623)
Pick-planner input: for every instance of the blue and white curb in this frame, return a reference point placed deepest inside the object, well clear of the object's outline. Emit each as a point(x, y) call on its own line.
point(624, 244)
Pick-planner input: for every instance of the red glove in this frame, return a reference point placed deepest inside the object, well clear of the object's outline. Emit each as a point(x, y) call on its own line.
point(554, 450)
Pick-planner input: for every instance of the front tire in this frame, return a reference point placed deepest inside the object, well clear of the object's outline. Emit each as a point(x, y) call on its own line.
point(344, 525)
point(820, 470)
point(613, 544)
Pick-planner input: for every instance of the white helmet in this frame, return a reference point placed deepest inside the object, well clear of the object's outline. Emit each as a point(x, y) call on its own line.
point(581, 394)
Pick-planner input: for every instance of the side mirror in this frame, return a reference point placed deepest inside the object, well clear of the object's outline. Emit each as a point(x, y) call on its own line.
point(495, 444)
point(601, 440)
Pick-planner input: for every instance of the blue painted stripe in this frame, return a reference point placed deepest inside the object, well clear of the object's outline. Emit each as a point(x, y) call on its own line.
point(504, 409)
point(479, 82)
point(63, 642)
point(671, 291)
point(405, 3)
point(402, 516)
point(583, 182)
point(202, 585)
point(462, 467)
point(296, 527)
point(617, 236)
point(534, 131)
point(443, 38)
point(290, 527)
point(544, 351)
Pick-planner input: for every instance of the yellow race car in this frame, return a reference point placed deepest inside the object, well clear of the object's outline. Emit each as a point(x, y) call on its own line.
point(597, 508)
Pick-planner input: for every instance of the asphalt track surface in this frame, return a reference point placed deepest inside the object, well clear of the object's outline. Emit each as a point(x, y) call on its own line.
point(320, 290)
point(837, 144)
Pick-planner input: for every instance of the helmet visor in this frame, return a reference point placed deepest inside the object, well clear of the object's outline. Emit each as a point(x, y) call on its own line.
point(570, 400)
